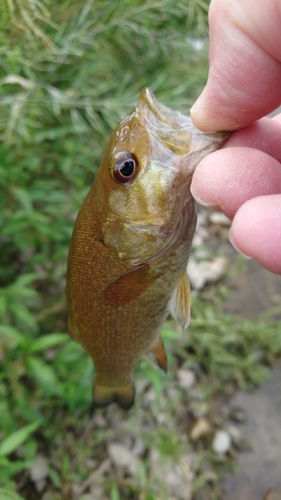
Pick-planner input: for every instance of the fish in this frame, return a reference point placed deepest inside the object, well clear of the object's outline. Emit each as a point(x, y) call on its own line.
point(131, 241)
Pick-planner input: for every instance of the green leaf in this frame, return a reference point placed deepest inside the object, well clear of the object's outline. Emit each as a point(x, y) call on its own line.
point(22, 314)
point(44, 374)
point(9, 495)
point(114, 494)
point(12, 442)
point(47, 341)
point(3, 304)
point(55, 478)
point(23, 197)
point(13, 334)
point(25, 279)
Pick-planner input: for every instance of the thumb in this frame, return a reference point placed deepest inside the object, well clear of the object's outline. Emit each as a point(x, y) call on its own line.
point(244, 81)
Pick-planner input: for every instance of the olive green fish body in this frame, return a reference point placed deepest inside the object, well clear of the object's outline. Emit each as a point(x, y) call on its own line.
point(131, 242)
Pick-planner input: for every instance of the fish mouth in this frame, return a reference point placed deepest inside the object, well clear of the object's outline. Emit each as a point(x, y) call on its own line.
point(176, 131)
point(180, 146)
point(176, 147)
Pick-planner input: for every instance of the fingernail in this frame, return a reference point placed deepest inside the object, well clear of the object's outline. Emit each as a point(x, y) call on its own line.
point(237, 249)
point(196, 111)
point(198, 106)
point(198, 114)
point(214, 206)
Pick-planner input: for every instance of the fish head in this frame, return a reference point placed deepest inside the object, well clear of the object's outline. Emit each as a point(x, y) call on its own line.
point(146, 175)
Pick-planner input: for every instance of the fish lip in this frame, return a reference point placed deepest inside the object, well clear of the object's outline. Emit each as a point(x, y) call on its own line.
point(150, 109)
point(175, 131)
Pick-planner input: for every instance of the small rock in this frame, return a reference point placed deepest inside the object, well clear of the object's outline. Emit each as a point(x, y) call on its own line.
point(195, 275)
point(202, 253)
point(91, 463)
point(122, 457)
point(218, 420)
point(97, 492)
point(141, 385)
point(197, 394)
point(221, 442)
point(138, 448)
point(150, 395)
point(235, 435)
point(213, 270)
point(210, 271)
point(238, 441)
point(39, 472)
point(187, 379)
point(161, 418)
point(202, 219)
point(244, 445)
point(273, 495)
point(172, 393)
point(154, 461)
point(238, 415)
point(176, 479)
point(201, 235)
point(40, 469)
point(219, 218)
point(197, 241)
point(100, 421)
point(201, 428)
point(178, 482)
point(229, 389)
point(199, 408)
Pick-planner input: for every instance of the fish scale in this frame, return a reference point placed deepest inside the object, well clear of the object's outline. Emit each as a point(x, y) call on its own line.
point(130, 245)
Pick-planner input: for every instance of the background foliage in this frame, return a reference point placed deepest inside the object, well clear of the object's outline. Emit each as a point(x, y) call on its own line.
point(69, 71)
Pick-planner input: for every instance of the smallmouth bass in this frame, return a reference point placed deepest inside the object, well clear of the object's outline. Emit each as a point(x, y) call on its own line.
point(131, 242)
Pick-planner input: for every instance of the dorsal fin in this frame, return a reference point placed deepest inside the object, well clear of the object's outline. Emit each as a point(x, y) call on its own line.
point(179, 304)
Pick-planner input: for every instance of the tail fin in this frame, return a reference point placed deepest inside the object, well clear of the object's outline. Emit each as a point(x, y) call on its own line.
point(123, 395)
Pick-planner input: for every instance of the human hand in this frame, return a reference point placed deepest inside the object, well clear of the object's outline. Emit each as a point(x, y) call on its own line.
point(243, 179)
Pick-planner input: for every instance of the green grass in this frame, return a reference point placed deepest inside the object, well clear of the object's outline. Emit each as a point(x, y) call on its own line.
point(69, 71)
point(43, 398)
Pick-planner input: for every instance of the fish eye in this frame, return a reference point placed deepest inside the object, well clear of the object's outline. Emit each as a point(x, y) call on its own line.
point(125, 168)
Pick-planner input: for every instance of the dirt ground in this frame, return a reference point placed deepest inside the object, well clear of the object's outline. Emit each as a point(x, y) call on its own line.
point(259, 469)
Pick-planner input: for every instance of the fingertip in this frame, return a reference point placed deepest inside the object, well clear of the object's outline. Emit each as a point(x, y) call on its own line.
point(232, 240)
point(201, 182)
point(205, 115)
point(245, 70)
point(227, 178)
point(200, 116)
point(210, 184)
point(256, 231)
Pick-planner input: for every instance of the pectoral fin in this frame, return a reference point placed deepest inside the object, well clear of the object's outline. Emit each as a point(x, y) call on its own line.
point(129, 286)
point(158, 350)
point(179, 304)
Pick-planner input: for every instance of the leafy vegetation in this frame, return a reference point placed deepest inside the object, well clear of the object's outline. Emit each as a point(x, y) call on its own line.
point(69, 71)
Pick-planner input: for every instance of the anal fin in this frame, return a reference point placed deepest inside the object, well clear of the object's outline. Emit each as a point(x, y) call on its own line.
point(158, 351)
point(179, 304)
